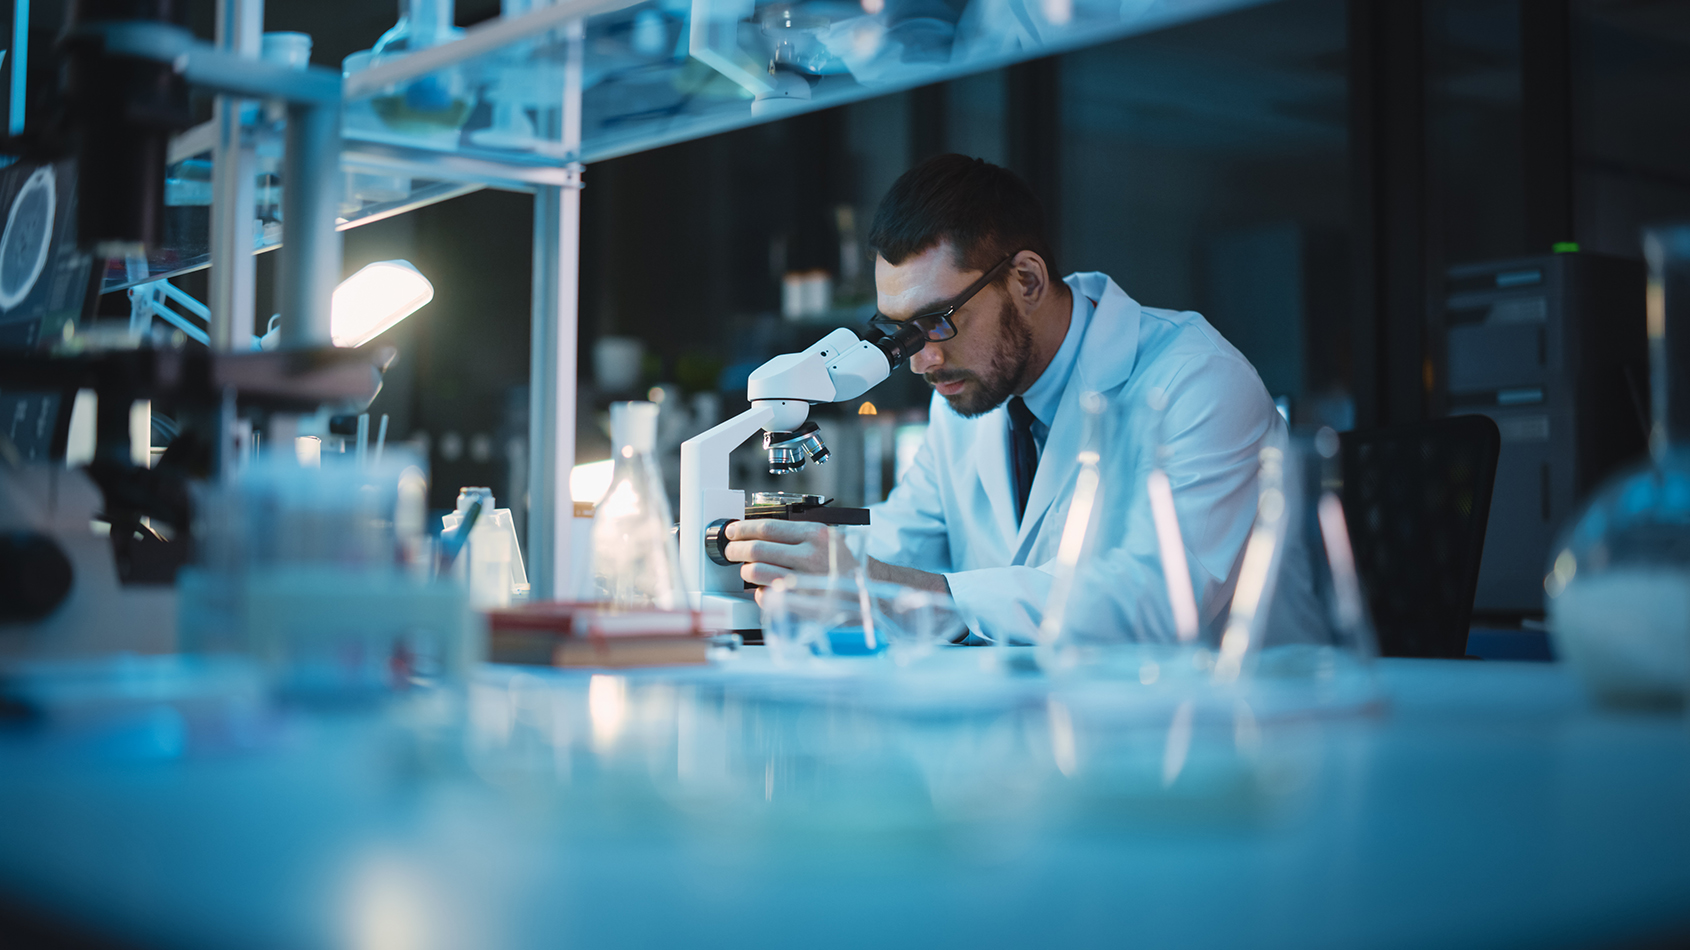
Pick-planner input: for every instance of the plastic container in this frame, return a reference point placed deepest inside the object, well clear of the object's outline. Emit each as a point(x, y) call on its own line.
point(490, 563)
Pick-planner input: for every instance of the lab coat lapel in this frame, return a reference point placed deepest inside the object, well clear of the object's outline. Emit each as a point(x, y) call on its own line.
point(1057, 465)
point(1107, 353)
point(991, 453)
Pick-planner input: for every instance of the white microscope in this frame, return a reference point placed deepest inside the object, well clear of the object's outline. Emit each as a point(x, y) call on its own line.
point(835, 368)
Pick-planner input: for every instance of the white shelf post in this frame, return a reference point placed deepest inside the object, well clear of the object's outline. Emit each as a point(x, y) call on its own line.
point(552, 378)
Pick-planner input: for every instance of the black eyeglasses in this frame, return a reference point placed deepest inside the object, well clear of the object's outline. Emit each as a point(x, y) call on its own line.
point(937, 325)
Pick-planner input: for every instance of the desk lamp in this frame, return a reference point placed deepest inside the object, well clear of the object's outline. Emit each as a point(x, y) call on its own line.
point(371, 301)
point(367, 304)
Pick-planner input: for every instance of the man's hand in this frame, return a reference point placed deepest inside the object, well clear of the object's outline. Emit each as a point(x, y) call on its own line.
point(772, 549)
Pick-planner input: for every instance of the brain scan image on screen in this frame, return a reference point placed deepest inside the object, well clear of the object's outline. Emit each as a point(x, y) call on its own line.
point(27, 239)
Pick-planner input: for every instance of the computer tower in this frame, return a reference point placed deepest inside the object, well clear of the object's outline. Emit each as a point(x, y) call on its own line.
point(1554, 349)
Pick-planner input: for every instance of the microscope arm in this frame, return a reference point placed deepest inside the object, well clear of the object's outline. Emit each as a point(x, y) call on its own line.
point(705, 495)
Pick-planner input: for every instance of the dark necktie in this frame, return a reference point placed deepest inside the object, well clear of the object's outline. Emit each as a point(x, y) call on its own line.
point(1023, 453)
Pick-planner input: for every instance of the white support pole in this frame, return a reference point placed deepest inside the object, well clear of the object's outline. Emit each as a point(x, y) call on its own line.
point(551, 426)
point(311, 186)
point(240, 29)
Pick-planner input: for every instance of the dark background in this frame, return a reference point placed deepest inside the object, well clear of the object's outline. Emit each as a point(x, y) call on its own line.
point(1302, 172)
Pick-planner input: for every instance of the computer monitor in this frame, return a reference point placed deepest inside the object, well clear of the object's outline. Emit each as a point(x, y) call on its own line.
point(43, 275)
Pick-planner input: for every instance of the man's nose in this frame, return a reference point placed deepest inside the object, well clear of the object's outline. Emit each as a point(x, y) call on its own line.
point(926, 360)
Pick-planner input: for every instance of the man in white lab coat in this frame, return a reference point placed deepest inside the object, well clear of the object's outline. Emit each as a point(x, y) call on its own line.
point(962, 250)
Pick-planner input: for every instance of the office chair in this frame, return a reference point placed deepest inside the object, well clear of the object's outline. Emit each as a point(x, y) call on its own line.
point(1417, 498)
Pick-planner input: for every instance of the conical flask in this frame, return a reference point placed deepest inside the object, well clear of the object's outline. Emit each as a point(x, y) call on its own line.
point(1297, 615)
point(635, 561)
point(1121, 588)
point(1066, 639)
point(1618, 584)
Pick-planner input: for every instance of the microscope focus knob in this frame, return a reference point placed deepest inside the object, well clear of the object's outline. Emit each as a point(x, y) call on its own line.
point(35, 576)
point(716, 541)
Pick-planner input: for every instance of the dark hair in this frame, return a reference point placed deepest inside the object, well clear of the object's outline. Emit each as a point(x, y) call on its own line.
point(984, 211)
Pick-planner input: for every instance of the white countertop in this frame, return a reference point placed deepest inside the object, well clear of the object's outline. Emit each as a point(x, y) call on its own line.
point(1482, 804)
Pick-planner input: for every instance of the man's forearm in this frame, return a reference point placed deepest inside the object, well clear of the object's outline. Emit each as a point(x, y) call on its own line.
point(908, 576)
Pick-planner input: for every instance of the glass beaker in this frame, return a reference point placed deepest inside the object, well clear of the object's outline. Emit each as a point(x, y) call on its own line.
point(811, 616)
point(319, 574)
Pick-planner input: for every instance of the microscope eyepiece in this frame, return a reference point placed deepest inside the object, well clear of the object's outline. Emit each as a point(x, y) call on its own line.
point(899, 345)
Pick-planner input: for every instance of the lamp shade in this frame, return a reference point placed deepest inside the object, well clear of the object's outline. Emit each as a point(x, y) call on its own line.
point(589, 482)
point(374, 299)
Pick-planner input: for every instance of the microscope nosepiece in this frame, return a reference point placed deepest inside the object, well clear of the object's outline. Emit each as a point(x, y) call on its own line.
point(812, 445)
point(784, 459)
point(788, 451)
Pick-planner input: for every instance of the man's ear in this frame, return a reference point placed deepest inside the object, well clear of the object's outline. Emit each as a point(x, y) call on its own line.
point(1030, 280)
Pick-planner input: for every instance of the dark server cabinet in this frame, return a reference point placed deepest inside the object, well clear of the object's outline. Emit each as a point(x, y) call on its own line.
point(1554, 349)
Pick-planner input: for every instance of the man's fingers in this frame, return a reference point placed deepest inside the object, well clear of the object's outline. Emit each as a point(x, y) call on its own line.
point(774, 529)
point(762, 574)
point(768, 552)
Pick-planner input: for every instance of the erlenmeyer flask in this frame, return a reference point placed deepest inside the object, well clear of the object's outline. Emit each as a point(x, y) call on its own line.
point(1619, 580)
point(635, 561)
point(1088, 625)
point(1297, 615)
point(1066, 640)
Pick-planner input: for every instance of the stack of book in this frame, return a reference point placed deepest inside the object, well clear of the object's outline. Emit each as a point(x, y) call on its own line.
point(566, 633)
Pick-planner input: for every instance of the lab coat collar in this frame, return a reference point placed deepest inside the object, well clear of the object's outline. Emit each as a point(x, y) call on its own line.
point(1110, 349)
point(1108, 354)
point(1045, 395)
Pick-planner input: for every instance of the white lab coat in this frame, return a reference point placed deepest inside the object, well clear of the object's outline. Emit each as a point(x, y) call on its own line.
point(953, 512)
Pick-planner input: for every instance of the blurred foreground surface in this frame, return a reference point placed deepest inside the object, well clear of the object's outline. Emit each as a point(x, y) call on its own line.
point(949, 804)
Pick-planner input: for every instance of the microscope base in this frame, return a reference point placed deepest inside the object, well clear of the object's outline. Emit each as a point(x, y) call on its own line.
point(730, 613)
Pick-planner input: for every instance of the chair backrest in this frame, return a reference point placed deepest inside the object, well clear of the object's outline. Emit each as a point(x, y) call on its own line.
point(1417, 498)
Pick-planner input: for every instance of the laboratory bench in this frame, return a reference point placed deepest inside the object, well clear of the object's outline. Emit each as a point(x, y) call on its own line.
point(1468, 804)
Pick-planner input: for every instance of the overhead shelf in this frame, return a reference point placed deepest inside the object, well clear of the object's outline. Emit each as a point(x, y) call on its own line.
point(187, 244)
point(488, 109)
point(658, 72)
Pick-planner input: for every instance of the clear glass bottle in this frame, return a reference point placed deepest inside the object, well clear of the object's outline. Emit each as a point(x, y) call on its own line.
point(635, 560)
point(1618, 585)
point(439, 102)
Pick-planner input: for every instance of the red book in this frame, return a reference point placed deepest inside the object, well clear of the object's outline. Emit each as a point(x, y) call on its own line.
point(569, 633)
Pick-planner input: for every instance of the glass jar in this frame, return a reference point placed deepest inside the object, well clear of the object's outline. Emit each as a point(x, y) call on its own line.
point(1618, 584)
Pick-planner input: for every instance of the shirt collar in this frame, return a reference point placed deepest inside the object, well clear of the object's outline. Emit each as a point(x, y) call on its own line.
point(1045, 395)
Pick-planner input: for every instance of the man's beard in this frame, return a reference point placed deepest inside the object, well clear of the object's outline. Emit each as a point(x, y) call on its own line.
point(983, 393)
